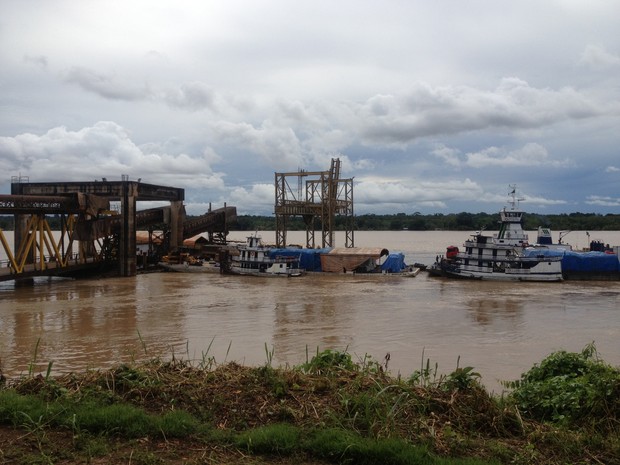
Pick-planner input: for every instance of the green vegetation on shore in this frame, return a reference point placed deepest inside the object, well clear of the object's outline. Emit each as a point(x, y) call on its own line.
point(417, 222)
point(329, 410)
point(449, 222)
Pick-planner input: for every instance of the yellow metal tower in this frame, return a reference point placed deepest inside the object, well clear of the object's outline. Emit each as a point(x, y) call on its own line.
point(319, 196)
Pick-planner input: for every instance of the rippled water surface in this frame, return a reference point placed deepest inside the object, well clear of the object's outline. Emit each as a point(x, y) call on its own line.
point(501, 329)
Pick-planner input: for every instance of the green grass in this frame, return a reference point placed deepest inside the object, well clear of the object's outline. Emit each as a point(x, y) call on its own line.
point(123, 419)
point(565, 410)
point(336, 445)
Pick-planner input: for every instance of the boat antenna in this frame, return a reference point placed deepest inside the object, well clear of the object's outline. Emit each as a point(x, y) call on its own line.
point(513, 193)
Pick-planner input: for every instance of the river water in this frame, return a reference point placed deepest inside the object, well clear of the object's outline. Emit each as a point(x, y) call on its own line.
point(500, 329)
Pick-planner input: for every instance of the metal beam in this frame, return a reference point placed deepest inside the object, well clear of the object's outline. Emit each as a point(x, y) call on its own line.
point(112, 190)
point(51, 205)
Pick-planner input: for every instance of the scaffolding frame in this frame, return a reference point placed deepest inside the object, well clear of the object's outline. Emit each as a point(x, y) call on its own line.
point(317, 197)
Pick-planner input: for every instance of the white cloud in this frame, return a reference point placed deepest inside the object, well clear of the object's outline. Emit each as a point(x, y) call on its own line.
point(407, 194)
point(278, 146)
point(103, 150)
point(432, 111)
point(531, 154)
point(192, 96)
point(258, 199)
point(595, 56)
point(106, 85)
point(448, 155)
point(612, 169)
point(542, 201)
point(363, 165)
point(604, 201)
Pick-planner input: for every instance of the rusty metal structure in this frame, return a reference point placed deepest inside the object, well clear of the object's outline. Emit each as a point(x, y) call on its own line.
point(91, 234)
point(318, 197)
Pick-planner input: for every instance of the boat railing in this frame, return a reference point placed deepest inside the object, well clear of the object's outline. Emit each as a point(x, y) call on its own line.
point(263, 259)
point(509, 258)
point(285, 259)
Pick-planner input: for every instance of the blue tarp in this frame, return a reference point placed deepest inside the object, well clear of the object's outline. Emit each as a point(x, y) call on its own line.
point(394, 263)
point(309, 259)
point(580, 261)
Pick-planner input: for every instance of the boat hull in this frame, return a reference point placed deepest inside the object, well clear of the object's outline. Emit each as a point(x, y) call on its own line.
point(532, 277)
point(516, 270)
point(591, 276)
point(289, 273)
point(187, 268)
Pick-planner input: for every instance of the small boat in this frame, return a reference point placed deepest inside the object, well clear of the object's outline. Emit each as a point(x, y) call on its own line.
point(208, 267)
point(255, 259)
point(185, 263)
point(499, 257)
point(411, 272)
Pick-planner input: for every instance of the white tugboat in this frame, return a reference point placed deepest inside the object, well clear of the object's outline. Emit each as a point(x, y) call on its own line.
point(254, 259)
point(500, 257)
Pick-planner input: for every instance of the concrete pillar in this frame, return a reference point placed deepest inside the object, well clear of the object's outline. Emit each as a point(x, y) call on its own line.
point(19, 235)
point(177, 217)
point(127, 246)
point(21, 223)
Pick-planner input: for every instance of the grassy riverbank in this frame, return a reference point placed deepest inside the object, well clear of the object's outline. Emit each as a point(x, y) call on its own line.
point(330, 410)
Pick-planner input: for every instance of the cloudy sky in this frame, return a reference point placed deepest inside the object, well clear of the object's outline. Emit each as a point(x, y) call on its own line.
point(432, 106)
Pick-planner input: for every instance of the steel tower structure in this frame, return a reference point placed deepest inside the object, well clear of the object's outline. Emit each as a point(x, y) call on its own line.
point(318, 197)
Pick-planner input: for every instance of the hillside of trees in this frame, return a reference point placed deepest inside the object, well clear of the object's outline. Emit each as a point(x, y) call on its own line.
point(418, 222)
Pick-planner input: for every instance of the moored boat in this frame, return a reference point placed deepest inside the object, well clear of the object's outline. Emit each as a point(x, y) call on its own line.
point(186, 263)
point(185, 267)
point(500, 256)
point(255, 259)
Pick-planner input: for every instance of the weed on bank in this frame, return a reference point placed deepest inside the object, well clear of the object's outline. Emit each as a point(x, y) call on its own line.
point(329, 410)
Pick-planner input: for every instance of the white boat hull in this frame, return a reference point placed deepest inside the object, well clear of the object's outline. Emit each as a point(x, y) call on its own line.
point(289, 273)
point(548, 271)
point(506, 277)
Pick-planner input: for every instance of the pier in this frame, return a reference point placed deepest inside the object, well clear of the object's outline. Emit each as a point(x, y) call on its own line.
point(92, 236)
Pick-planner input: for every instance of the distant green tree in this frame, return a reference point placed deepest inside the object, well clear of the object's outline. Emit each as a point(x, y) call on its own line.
point(417, 222)
point(465, 221)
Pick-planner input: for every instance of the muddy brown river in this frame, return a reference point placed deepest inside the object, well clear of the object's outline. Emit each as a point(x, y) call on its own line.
point(501, 329)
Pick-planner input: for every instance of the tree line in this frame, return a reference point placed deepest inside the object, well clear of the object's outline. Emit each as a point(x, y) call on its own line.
point(415, 222)
point(451, 222)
